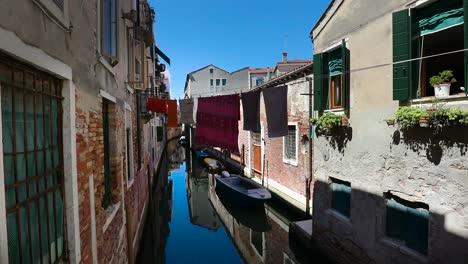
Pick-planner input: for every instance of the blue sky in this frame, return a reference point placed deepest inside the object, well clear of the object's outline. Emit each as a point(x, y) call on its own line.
point(232, 34)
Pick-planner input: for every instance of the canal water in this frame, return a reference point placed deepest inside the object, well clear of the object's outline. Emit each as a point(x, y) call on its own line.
point(190, 222)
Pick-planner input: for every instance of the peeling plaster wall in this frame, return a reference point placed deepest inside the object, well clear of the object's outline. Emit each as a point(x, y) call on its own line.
point(375, 158)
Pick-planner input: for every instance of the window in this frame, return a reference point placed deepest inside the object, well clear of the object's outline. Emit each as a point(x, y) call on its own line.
point(259, 81)
point(159, 133)
point(211, 70)
point(290, 146)
point(257, 241)
point(211, 82)
point(331, 78)
point(58, 9)
point(129, 144)
point(218, 82)
point(130, 56)
point(341, 197)
point(33, 171)
point(224, 82)
point(107, 198)
point(109, 30)
point(431, 27)
point(407, 222)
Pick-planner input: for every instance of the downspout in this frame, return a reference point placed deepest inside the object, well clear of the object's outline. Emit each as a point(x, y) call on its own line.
point(311, 151)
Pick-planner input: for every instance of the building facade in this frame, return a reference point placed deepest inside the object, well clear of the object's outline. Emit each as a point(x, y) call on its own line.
point(382, 193)
point(78, 154)
point(282, 164)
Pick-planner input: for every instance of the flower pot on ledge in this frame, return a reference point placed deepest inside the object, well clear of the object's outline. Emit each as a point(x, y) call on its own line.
point(424, 121)
point(344, 122)
point(442, 90)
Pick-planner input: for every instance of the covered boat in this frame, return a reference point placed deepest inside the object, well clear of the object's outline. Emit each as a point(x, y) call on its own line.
point(241, 190)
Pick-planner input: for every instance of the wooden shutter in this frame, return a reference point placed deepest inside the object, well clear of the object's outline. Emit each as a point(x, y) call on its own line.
point(318, 82)
point(401, 52)
point(465, 27)
point(346, 74)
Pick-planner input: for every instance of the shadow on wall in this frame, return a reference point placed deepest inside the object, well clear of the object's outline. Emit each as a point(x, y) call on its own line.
point(362, 238)
point(433, 140)
point(338, 137)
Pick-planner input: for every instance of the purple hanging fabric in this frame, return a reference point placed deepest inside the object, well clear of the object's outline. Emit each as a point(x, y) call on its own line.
point(276, 108)
point(218, 122)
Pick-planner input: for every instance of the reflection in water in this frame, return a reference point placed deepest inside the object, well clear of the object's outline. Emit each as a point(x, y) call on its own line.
point(206, 228)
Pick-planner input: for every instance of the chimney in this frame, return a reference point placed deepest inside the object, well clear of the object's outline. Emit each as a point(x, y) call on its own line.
point(285, 56)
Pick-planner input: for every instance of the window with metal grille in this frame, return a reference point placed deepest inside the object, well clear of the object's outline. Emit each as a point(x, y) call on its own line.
point(218, 82)
point(33, 164)
point(290, 144)
point(211, 82)
point(341, 197)
point(407, 222)
point(224, 82)
point(109, 30)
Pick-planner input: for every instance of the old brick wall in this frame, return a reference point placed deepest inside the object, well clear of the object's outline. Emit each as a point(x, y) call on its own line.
point(112, 226)
point(291, 176)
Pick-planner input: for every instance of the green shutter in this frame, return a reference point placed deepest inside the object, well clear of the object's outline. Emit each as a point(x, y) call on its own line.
point(417, 229)
point(346, 74)
point(318, 82)
point(465, 27)
point(396, 220)
point(401, 52)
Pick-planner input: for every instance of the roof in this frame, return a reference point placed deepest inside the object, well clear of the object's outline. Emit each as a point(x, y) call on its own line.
point(295, 61)
point(291, 75)
point(261, 70)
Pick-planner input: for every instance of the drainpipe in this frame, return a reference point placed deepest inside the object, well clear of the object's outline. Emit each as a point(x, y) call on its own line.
point(311, 151)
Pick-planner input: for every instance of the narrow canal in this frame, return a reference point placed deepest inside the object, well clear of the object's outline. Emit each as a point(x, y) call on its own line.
point(190, 222)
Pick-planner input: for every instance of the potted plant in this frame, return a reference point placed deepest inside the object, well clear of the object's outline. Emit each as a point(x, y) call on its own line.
point(327, 122)
point(408, 116)
point(390, 120)
point(344, 121)
point(424, 119)
point(442, 83)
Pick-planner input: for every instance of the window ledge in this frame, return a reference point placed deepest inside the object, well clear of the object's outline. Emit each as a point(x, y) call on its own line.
point(338, 111)
point(111, 211)
point(290, 162)
point(107, 65)
point(389, 242)
point(340, 217)
point(451, 98)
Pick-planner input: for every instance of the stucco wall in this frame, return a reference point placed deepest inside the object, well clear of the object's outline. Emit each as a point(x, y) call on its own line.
point(376, 158)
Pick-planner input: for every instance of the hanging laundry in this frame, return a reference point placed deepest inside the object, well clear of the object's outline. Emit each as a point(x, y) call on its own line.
point(172, 113)
point(218, 122)
point(157, 105)
point(251, 111)
point(276, 108)
point(186, 111)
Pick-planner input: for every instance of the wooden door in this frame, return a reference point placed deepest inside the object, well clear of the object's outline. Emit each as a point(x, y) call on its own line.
point(257, 158)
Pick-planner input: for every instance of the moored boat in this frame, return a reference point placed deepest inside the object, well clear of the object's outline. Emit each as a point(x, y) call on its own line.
point(241, 190)
point(214, 165)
